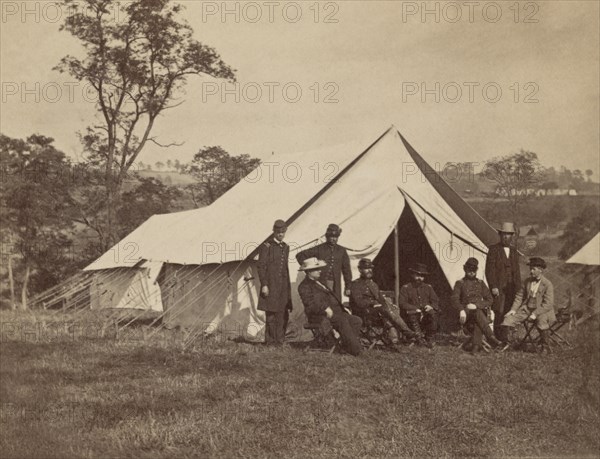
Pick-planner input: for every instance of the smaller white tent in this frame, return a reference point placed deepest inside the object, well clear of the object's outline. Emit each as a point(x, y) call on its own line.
point(589, 254)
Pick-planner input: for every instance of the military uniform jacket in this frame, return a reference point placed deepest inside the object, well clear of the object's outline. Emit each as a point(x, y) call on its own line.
point(273, 271)
point(338, 264)
point(541, 302)
point(365, 293)
point(472, 291)
point(316, 299)
point(413, 297)
point(500, 270)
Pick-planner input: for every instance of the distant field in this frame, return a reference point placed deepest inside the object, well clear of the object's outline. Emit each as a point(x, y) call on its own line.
point(172, 178)
point(100, 398)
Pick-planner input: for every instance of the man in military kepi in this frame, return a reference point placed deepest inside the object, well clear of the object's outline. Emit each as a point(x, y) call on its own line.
point(366, 299)
point(325, 310)
point(275, 289)
point(336, 257)
point(503, 275)
point(473, 299)
point(420, 304)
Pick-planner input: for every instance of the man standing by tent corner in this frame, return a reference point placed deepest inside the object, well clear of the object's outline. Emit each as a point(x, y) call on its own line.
point(275, 288)
point(336, 257)
point(503, 276)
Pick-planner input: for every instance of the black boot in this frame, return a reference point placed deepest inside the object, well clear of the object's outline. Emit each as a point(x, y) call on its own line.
point(545, 342)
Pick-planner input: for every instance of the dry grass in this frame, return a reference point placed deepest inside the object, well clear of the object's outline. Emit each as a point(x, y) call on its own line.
point(107, 397)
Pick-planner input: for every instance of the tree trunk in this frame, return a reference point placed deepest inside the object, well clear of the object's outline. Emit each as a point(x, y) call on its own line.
point(24, 289)
point(11, 281)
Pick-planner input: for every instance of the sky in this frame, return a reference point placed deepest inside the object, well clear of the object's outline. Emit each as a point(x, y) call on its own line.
point(462, 81)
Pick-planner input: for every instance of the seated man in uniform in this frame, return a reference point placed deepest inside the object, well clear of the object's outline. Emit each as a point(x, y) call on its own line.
point(322, 307)
point(473, 298)
point(535, 302)
point(367, 300)
point(420, 304)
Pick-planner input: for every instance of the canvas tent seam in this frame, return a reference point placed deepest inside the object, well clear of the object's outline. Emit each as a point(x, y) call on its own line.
point(426, 212)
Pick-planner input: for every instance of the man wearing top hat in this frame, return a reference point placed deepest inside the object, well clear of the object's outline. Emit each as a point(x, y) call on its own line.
point(503, 275)
point(535, 302)
point(275, 289)
point(366, 299)
point(336, 257)
point(420, 304)
point(323, 308)
point(472, 298)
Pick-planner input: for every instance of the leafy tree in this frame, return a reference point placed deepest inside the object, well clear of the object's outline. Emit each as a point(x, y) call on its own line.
point(137, 67)
point(169, 164)
point(159, 165)
point(589, 173)
point(515, 175)
point(216, 171)
point(148, 198)
point(580, 230)
point(177, 165)
point(36, 204)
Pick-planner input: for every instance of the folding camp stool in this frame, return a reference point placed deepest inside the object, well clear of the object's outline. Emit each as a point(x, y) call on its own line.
point(533, 336)
point(467, 330)
point(374, 333)
point(319, 340)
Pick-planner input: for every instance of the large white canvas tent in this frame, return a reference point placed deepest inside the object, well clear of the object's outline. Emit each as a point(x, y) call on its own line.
point(589, 254)
point(392, 206)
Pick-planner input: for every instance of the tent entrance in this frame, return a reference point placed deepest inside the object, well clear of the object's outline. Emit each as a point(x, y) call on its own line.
point(413, 247)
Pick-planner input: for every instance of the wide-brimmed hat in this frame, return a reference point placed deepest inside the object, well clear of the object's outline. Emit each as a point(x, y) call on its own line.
point(365, 263)
point(472, 264)
point(311, 264)
point(279, 225)
point(333, 230)
point(537, 262)
point(507, 227)
point(419, 268)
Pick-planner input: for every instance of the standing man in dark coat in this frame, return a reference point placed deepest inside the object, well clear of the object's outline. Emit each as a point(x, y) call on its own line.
point(472, 298)
point(324, 309)
point(336, 257)
point(503, 275)
point(420, 304)
point(275, 288)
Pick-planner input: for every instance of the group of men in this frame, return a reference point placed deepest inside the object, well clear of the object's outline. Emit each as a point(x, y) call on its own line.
point(506, 302)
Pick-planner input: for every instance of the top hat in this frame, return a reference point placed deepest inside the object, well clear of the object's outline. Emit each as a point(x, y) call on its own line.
point(537, 262)
point(279, 225)
point(311, 264)
point(472, 264)
point(419, 268)
point(507, 227)
point(365, 263)
point(333, 230)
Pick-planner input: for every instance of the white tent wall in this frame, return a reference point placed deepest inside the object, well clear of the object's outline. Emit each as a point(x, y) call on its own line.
point(126, 288)
point(215, 300)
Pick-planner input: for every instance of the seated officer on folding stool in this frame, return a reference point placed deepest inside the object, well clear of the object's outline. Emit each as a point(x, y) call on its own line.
point(322, 308)
point(420, 304)
point(366, 300)
point(535, 302)
point(472, 298)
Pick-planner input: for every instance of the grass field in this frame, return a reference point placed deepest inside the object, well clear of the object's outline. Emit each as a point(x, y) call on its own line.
point(109, 397)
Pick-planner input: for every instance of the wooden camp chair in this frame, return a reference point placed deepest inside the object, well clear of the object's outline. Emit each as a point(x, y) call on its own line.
point(319, 344)
point(532, 332)
point(467, 331)
point(375, 330)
